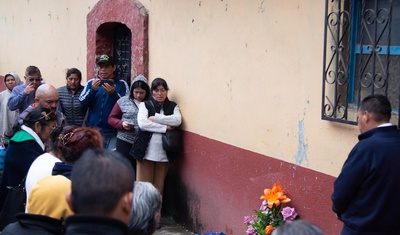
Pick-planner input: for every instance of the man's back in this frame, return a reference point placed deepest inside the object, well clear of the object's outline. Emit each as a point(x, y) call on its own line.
point(101, 195)
point(369, 181)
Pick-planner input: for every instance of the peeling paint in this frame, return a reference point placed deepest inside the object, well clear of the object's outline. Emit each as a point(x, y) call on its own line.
point(303, 146)
point(261, 8)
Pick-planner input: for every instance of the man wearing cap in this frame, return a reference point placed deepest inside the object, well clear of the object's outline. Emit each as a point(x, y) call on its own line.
point(99, 96)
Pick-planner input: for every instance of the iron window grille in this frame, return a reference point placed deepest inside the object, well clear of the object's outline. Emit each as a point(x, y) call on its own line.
point(122, 52)
point(361, 56)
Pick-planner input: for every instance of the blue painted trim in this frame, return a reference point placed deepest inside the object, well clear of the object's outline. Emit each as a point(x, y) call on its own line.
point(353, 50)
point(394, 50)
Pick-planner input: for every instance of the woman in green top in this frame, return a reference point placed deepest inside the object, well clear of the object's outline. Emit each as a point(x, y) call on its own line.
point(25, 145)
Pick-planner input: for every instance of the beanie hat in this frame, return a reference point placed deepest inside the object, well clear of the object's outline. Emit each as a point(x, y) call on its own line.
point(47, 197)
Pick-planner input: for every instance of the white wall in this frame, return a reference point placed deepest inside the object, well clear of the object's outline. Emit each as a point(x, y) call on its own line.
point(46, 33)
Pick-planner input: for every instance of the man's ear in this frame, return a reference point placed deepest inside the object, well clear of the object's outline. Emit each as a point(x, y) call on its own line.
point(127, 202)
point(368, 116)
point(68, 198)
point(123, 211)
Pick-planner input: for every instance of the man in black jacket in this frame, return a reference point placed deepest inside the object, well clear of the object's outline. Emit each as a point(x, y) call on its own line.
point(102, 194)
point(364, 196)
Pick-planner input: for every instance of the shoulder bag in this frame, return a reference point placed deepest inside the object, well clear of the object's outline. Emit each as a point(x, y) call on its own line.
point(172, 140)
point(14, 204)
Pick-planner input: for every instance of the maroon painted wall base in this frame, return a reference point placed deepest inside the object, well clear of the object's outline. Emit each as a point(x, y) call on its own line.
point(212, 186)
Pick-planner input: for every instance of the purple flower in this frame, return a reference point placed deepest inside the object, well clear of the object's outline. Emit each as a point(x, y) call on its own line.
point(264, 205)
point(289, 214)
point(247, 220)
point(251, 231)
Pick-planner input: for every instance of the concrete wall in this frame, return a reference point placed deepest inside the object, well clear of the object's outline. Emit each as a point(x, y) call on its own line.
point(247, 76)
point(48, 34)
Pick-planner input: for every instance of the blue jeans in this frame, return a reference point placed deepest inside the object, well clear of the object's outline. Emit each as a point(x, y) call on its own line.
point(110, 142)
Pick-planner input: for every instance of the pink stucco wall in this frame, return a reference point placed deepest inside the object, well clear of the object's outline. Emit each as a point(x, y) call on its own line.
point(2, 86)
point(128, 12)
point(212, 186)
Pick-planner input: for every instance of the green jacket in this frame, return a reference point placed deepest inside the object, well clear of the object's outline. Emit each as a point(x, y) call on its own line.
point(22, 136)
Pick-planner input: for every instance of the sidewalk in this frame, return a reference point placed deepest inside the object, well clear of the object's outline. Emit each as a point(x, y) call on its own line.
point(169, 227)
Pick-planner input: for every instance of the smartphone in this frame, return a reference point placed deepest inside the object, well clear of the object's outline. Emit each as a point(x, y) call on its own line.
point(104, 81)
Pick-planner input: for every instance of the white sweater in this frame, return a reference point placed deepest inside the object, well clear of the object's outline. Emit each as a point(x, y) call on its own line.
point(155, 151)
point(40, 168)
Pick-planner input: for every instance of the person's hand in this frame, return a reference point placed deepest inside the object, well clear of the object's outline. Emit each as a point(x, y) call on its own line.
point(127, 126)
point(95, 84)
point(108, 88)
point(29, 88)
point(170, 128)
point(151, 118)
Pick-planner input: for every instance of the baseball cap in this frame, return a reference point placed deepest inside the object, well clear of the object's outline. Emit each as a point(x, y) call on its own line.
point(106, 59)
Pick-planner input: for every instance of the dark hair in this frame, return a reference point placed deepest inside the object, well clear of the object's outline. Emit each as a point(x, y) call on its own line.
point(31, 70)
point(142, 85)
point(74, 141)
point(379, 106)
point(298, 227)
point(41, 115)
point(159, 82)
point(74, 71)
point(99, 180)
point(38, 114)
point(54, 138)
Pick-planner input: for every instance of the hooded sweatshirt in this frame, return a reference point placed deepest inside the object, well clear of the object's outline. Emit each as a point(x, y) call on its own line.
point(7, 117)
point(126, 109)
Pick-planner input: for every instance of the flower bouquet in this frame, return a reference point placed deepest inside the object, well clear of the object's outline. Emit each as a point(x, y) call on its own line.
point(271, 214)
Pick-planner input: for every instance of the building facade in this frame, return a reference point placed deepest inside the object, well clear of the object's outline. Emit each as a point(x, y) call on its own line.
point(247, 76)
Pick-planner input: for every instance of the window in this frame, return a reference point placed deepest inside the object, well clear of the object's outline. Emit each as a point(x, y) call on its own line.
point(122, 52)
point(361, 57)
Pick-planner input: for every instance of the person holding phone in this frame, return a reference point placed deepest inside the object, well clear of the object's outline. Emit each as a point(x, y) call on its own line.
point(100, 97)
point(24, 95)
point(124, 116)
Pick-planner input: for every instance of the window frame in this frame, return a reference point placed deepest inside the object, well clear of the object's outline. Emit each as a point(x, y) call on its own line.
point(341, 50)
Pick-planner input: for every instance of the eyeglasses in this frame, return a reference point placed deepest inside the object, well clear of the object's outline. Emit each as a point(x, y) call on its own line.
point(162, 90)
point(36, 79)
point(51, 127)
point(73, 79)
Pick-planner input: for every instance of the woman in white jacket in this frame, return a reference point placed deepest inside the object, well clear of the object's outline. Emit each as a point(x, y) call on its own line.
point(155, 117)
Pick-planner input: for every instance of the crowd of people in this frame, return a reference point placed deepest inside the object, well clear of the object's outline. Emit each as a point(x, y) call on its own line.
point(72, 149)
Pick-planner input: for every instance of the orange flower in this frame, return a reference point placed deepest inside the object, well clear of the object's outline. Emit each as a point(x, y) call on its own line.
point(275, 195)
point(269, 229)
